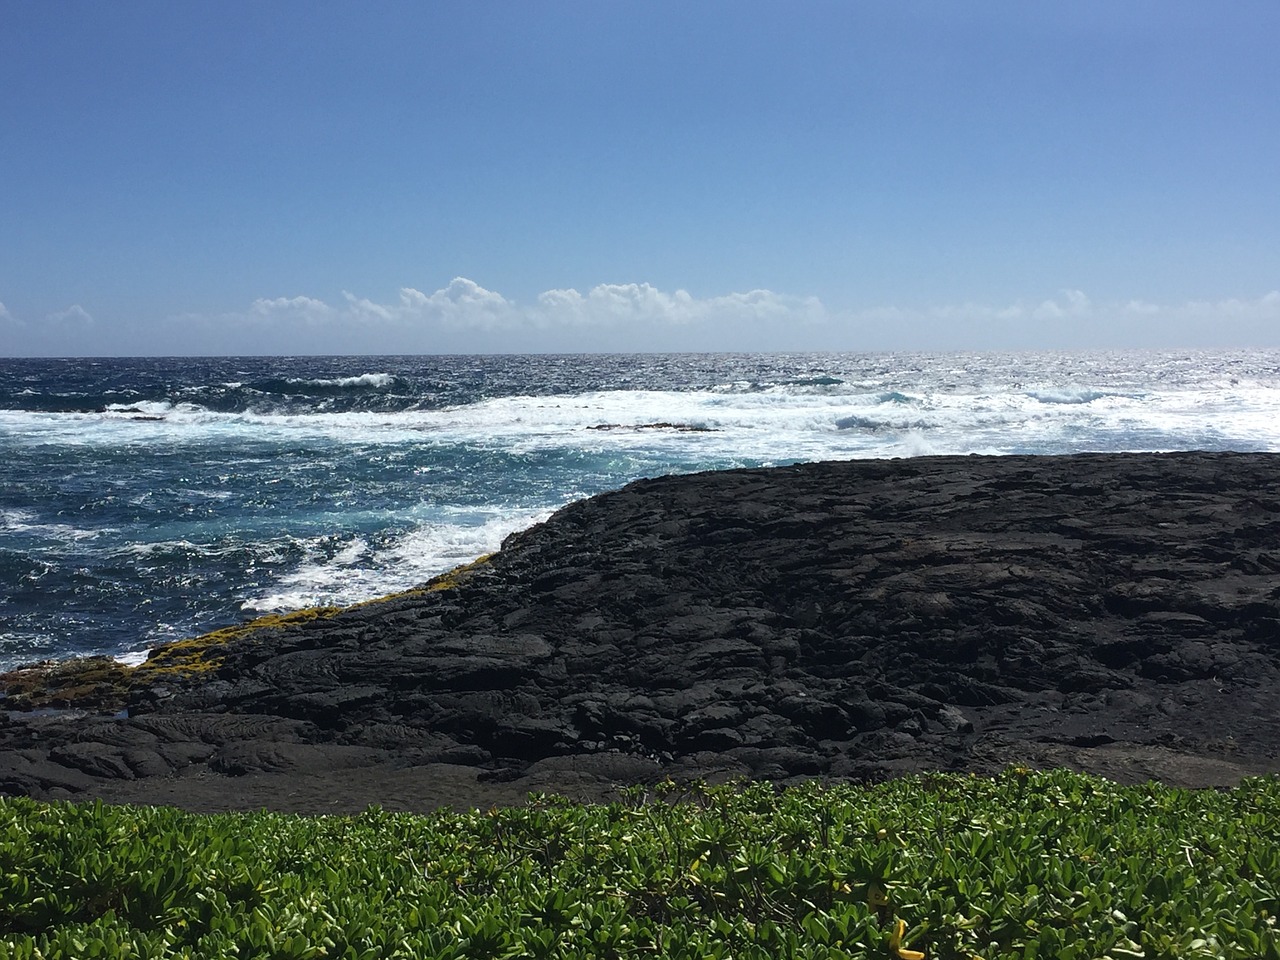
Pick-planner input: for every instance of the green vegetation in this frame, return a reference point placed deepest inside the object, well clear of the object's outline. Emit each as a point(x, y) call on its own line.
point(202, 654)
point(102, 684)
point(1026, 865)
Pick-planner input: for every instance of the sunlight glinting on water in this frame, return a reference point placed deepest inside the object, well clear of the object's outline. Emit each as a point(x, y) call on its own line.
point(155, 499)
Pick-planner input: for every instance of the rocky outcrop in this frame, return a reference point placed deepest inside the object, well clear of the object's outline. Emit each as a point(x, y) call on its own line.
point(1113, 612)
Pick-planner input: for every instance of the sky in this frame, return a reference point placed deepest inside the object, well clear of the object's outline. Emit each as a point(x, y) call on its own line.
point(459, 177)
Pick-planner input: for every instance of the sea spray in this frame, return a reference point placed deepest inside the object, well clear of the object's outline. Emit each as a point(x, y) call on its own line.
point(143, 500)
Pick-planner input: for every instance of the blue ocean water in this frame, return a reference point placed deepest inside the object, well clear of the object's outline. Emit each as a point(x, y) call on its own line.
point(144, 500)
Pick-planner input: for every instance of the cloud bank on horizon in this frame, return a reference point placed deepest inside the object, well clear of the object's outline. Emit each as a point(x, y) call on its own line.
point(465, 317)
point(645, 175)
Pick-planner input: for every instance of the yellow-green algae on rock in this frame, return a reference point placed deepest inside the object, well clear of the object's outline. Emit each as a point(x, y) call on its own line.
point(103, 684)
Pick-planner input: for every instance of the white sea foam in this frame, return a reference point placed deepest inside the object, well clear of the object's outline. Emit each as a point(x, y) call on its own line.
point(356, 504)
point(141, 550)
point(357, 572)
point(153, 423)
point(770, 427)
point(963, 408)
point(17, 649)
point(761, 425)
point(148, 408)
point(1067, 395)
point(375, 380)
point(15, 518)
point(21, 522)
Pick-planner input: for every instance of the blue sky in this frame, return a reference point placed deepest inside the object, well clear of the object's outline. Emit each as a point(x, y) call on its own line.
point(291, 177)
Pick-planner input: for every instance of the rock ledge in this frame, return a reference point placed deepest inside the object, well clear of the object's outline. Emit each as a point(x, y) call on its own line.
point(1118, 613)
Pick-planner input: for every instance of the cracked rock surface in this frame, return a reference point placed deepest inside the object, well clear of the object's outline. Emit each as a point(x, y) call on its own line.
point(1117, 613)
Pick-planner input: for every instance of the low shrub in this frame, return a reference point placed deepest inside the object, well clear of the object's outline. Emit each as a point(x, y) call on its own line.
point(945, 866)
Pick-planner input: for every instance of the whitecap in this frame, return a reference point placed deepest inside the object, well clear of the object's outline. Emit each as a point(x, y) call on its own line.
point(148, 408)
point(1067, 395)
point(362, 571)
point(24, 522)
point(15, 518)
point(378, 381)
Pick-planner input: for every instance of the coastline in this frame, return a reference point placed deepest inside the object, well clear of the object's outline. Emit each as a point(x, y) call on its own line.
point(1113, 613)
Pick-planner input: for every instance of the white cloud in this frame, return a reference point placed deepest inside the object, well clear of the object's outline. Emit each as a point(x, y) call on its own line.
point(1266, 307)
point(1141, 308)
point(465, 315)
point(636, 303)
point(1073, 303)
point(305, 308)
point(643, 304)
point(69, 332)
point(462, 305)
point(75, 316)
point(10, 332)
point(1069, 303)
point(1071, 320)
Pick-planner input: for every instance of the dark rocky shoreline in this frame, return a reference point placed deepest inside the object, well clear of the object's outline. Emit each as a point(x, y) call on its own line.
point(1116, 613)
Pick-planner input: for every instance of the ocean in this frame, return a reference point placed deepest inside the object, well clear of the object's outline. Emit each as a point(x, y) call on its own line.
point(147, 500)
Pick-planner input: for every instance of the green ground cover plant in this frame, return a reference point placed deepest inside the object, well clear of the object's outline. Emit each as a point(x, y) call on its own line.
point(1024, 865)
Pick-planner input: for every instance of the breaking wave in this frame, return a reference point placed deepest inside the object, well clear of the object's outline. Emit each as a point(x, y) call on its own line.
point(147, 500)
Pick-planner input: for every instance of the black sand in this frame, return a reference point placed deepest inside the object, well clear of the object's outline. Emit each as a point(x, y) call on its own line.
point(1115, 613)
